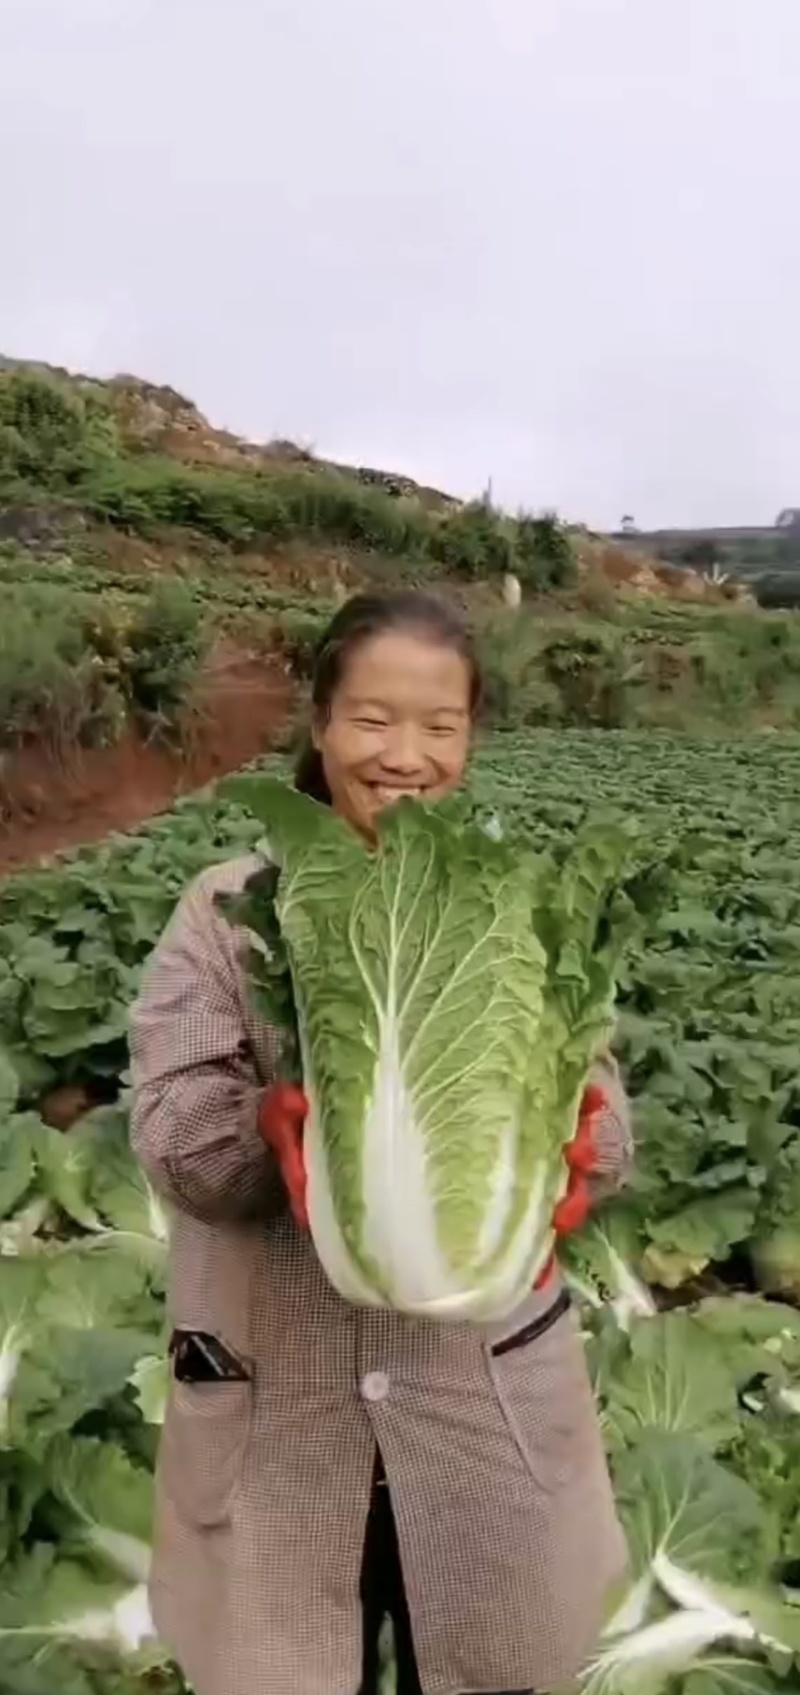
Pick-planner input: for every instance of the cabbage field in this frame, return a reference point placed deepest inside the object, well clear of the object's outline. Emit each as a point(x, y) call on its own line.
point(689, 1284)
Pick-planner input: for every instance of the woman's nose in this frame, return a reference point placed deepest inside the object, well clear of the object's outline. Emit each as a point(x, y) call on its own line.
point(401, 751)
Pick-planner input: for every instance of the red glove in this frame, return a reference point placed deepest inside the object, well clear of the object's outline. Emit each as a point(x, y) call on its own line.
point(281, 1117)
point(580, 1154)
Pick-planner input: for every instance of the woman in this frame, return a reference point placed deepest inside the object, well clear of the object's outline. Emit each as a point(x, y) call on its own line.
point(324, 1467)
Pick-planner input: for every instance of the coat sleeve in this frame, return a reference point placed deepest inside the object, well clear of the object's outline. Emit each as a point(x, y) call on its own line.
point(613, 1132)
point(195, 1082)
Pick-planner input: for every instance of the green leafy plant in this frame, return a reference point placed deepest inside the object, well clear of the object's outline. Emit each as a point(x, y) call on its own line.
point(467, 986)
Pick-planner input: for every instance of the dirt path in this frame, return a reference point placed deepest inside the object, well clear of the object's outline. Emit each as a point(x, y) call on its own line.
point(48, 806)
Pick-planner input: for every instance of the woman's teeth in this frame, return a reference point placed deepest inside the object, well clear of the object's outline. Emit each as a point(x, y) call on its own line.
point(384, 793)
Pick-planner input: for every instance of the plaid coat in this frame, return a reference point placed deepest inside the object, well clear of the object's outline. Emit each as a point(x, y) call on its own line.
point(490, 1440)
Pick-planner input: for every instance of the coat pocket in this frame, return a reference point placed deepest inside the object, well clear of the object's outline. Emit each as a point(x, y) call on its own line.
point(202, 1448)
point(542, 1384)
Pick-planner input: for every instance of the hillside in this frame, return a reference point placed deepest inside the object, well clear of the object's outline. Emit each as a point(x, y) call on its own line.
point(164, 581)
point(154, 424)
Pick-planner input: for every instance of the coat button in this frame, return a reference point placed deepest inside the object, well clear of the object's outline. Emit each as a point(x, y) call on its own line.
point(375, 1386)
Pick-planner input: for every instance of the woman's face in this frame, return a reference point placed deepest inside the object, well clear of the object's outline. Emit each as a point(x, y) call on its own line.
point(399, 724)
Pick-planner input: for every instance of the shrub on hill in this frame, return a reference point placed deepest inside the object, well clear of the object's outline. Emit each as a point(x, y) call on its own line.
point(51, 434)
point(76, 669)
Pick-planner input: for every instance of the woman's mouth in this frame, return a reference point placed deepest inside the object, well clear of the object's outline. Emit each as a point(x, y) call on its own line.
point(385, 793)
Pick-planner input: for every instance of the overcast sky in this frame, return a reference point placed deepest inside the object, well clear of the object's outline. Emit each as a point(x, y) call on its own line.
point(554, 243)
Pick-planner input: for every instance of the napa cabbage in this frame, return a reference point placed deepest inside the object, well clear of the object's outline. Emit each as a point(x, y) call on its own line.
point(702, 1611)
point(444, 993)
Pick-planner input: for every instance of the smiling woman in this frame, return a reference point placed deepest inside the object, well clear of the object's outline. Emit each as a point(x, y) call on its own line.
point(328, 1463)
point(396, 690)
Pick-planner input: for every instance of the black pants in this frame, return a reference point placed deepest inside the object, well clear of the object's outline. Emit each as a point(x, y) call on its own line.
point(383, 1597)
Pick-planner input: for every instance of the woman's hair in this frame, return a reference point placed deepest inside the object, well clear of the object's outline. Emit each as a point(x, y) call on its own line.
point(358, 621)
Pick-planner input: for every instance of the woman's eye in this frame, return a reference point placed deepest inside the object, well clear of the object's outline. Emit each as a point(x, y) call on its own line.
point(441, 730)
point(370, 723)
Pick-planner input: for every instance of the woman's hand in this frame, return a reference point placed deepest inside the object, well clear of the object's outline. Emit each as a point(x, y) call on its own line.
point(580, 1154)
point(281, 1117)
point(283, 1113)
